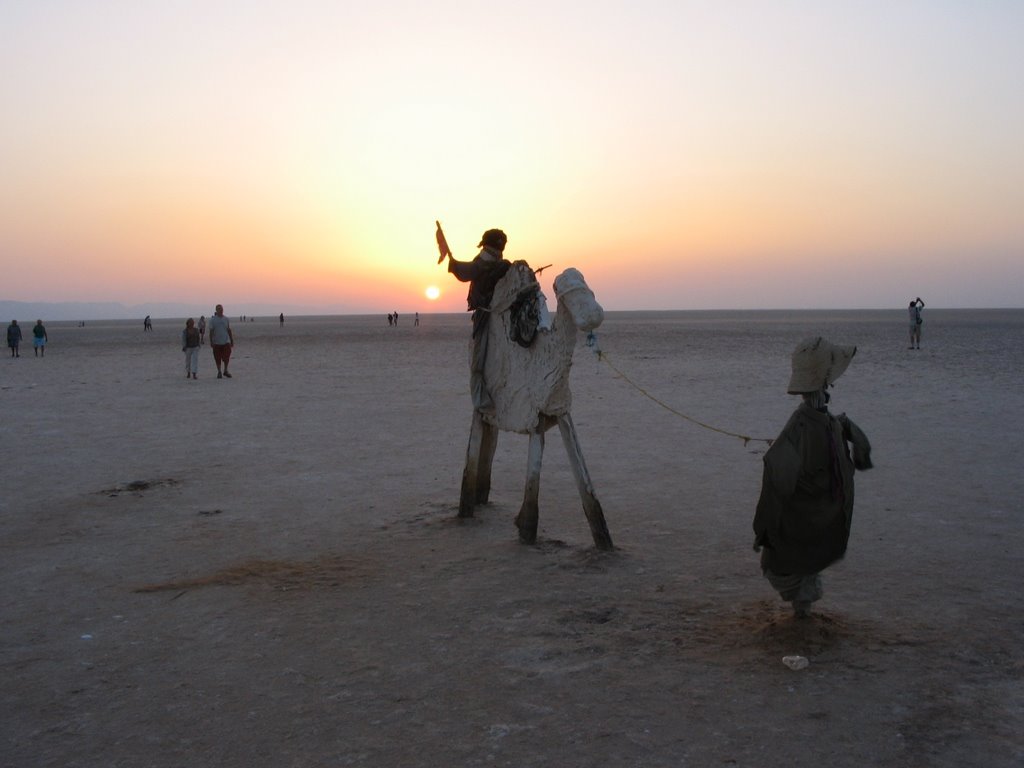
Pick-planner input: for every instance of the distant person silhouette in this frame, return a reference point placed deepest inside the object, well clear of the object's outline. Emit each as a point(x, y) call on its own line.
point(14, 338)
point(147, 324)
point(202, 329)
point(915, 322)
point(190, 343)
point(281, 318)
point(39, 339)
point(222, 341)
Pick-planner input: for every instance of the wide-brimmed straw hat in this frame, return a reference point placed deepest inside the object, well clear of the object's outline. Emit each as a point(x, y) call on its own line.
point(817, 363)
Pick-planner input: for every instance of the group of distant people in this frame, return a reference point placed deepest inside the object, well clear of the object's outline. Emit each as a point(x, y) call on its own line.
point(222, 342)
point(39, 338)
point(393, 319)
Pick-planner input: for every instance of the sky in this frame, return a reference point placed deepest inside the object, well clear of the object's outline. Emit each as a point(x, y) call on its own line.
point(681, 155)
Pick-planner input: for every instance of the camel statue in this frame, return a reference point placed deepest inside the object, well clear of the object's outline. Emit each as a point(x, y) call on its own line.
point(530, 389)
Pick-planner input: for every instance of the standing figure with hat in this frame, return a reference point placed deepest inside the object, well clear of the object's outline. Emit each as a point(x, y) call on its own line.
point(482, 274)
point(802, 522)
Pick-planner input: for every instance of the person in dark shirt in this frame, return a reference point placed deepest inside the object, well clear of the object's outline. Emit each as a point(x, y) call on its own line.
point(482, 274)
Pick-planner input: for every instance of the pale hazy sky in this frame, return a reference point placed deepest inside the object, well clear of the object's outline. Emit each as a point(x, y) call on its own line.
point(680, 154)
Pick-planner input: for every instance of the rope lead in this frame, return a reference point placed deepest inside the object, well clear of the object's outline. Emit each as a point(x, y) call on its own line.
point(592, 343)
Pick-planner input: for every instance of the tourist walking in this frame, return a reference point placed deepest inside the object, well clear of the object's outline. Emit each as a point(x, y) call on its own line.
point(222, 341)
point(39, 339)
point(14, 338)
point(190, 346)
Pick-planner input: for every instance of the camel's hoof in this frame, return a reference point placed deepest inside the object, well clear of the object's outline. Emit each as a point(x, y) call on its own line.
point(466, 502)
point(527, 535)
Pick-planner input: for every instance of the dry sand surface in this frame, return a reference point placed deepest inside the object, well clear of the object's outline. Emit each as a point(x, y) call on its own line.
point(268, 570)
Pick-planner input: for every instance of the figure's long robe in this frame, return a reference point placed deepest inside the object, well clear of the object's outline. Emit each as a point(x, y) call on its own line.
point(805, 510)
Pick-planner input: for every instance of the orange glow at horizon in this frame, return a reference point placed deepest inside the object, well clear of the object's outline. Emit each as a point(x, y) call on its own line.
point(313, 177)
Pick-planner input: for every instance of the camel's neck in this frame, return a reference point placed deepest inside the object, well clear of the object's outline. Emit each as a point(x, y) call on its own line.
point(564, 326)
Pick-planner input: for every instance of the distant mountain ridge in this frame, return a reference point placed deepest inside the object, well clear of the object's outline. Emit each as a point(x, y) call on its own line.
point(30, 311)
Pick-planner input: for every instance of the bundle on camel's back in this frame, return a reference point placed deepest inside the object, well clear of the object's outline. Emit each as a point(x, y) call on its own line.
point(527, 376)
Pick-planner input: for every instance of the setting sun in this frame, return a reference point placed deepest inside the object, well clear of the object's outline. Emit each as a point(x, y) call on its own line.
point(787, 170)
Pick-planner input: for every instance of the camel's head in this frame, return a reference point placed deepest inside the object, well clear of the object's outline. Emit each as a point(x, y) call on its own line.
point(572, 292)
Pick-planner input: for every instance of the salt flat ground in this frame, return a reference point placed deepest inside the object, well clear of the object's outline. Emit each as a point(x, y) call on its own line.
point(268, 570)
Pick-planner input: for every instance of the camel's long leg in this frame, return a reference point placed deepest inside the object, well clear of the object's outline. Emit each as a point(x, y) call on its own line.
point(591, 506)
point(526, 522)
point(488, 443)
point(470, 475)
